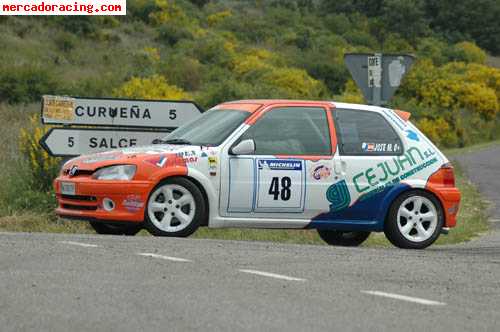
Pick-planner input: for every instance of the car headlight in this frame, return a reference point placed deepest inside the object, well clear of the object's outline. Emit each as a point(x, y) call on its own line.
point(118, 172)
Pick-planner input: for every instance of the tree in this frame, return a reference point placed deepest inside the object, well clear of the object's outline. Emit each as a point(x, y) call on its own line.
point(467, 18)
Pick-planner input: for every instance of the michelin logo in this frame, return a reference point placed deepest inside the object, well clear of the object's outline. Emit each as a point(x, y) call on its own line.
point(280, 164)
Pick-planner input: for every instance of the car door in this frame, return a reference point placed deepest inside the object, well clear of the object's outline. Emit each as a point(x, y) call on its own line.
point(289, 173)
point(371, 158)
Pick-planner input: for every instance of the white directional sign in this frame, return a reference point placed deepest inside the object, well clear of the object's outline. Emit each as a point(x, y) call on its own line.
point(117, 112)
point(74, 142)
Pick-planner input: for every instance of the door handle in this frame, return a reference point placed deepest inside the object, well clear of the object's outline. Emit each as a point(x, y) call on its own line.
point(339, 166)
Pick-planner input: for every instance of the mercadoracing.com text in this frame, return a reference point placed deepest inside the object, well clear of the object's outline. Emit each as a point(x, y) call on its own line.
point(89, 7)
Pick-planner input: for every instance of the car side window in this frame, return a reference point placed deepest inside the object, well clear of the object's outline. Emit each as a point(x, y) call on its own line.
point(291, 131)
point(364, 133)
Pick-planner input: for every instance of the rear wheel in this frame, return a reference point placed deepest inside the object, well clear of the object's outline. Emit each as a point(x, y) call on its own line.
point(344, 239)
point(414, 221)
point(115, 229)
point(175, 208)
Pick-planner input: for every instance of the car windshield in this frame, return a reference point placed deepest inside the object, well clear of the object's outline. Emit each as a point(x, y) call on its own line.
point(210, 129)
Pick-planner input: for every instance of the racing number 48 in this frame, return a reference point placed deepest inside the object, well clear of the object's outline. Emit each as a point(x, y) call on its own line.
point(284, 192)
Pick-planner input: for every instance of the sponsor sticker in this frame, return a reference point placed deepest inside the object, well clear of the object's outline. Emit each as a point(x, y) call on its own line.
point(280, 164)
point(410, 134)
point(133, 203)
point(321, 172)
point(212, 165)
point(58, 108)
point(380, 147)
point(158, 161)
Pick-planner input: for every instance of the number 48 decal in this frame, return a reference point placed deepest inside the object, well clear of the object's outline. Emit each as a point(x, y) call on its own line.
point(284, 193)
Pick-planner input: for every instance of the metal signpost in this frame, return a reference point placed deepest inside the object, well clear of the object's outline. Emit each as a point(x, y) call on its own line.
point(128, 123)
point(378, 75)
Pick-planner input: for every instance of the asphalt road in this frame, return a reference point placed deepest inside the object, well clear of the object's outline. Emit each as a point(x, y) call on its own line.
point(55, 282)
point(483, 168)
point(70, 282)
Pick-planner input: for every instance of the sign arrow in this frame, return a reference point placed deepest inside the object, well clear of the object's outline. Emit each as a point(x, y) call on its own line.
point(117, 112)
point(59, 142)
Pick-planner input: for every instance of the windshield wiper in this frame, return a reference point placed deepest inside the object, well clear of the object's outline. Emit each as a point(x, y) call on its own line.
point(180, 141)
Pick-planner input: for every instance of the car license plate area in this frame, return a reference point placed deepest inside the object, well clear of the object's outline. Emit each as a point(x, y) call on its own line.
point(68, 188)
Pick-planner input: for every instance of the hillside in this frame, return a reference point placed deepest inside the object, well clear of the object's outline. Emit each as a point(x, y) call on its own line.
point(221, 50)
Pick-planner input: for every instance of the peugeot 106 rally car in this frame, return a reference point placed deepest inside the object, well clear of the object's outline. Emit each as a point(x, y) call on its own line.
point(343, 169)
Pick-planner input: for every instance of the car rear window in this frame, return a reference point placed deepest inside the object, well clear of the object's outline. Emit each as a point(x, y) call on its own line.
point(364, 133)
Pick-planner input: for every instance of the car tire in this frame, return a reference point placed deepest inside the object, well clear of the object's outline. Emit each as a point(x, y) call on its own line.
point(343, 239)
point(115, 229)
point(415, 220)
point(175, 208)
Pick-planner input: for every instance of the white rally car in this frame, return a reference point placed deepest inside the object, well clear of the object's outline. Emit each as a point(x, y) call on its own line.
point(343, 169)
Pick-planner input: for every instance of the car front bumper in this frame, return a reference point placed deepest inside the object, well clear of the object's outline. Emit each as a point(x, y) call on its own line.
point(91, 199)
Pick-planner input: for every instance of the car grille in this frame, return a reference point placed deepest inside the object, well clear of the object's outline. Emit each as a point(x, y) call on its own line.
point(79, 207)
point(80, 172)
point(79, 198)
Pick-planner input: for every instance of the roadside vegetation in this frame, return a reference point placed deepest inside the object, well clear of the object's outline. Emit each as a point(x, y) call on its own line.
point(214, 51)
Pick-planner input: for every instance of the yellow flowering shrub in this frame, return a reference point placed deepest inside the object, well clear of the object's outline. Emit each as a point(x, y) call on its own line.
point(294, 83)
point(256, 59)
point(153, 87)
point(470, 52)
point(351, 94)
point(43, 167)
point(168, 12)
point(438, 130)
point(216, 18)
point(456, 86)
point(152, 53)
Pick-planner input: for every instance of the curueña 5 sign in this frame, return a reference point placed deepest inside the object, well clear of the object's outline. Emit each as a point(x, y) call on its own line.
point(117, 112)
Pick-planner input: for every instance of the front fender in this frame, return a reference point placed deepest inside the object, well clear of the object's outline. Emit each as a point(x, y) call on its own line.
point(211, 190)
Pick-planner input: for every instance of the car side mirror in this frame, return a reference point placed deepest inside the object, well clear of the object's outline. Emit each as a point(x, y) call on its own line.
point(246, 146)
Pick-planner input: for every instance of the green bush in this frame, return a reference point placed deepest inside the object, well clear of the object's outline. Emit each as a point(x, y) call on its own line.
point(26, 83)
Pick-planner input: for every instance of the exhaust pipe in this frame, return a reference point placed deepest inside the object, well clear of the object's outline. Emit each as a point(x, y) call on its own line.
point(445, 230)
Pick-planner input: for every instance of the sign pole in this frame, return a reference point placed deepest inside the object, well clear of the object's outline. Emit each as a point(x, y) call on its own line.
point(375, 78)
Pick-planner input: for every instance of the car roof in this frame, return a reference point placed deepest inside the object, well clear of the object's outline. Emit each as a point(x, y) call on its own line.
point(252, 105)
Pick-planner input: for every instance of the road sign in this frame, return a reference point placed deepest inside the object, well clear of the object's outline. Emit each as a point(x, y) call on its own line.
point(60, 142)
point(117, 112)
point(378, 75)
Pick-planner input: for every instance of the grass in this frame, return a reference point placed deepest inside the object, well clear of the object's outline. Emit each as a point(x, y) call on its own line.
point(469, 149)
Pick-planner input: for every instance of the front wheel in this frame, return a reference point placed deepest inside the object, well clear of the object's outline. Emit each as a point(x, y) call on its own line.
point(414, 221)
point(175, 208)
point(343, 239)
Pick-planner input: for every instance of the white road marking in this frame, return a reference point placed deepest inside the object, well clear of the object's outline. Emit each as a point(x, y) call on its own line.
point(80, 244)
point(404, 298)
point(272, 275)
point(168, 258)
